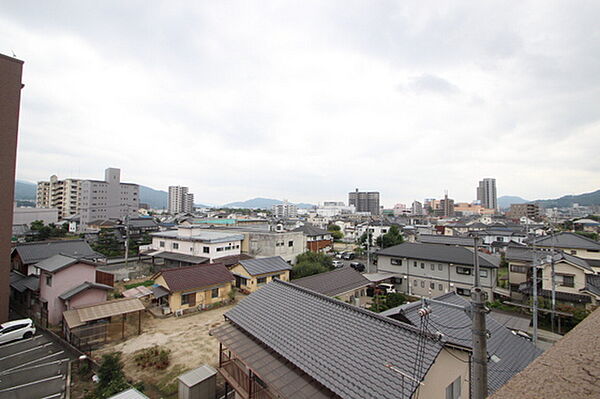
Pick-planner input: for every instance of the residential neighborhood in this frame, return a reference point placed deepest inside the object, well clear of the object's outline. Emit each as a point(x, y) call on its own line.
point(244, 200)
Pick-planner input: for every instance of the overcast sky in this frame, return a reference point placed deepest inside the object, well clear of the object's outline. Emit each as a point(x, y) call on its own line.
point(309, 100)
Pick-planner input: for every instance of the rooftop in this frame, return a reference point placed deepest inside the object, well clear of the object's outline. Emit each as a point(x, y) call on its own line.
point(58, 262)
point(34, 252)
point(446, 240)
point(439, 253)
point(265, 265)
point(335, 282)
point(197, 276)
point(199, 234)
point(568, 240)
point(310, 230)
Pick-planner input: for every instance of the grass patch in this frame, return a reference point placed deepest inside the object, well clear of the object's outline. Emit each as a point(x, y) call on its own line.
point(167, 385)
point(146, 283)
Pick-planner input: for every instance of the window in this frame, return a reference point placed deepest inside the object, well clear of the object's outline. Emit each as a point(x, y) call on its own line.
point(273, 277)
point(220, 249)
point(440, 287)
point(206, 250)
point(463, 291)
point(188, 299)
point(566, 280)
point(483, 273)
point(422, 284)
point(161, 244)
point(290, 244)
point(433, 266)
point(518, 269)
point(453, 390)
point(175, 245)
point(422, 265)
point(214, 293)
point(261, 280)
point(432, 286)
point(440, 267)
point(463, 270)
point(396, 261)
point(573, 252)
point(415, 263)
point(49, 280)
point(593, 250)
point(415, 282)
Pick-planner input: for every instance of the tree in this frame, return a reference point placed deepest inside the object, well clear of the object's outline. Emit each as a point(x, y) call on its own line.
point(310, 263)
point(387, 301)
point(333, 227)
point(391, 238)
point(315, 257)
point(111, 377)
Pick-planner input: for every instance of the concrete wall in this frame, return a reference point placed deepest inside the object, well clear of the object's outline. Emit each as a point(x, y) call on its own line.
point(29, 215)
point(446, 368)
point(63, 281)
point(252, 281)
point(264, 245)
point(10, 86)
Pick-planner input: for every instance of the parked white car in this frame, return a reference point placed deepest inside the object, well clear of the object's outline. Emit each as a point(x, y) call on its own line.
point(337, 263)
point(388, 288)
point(16, 329)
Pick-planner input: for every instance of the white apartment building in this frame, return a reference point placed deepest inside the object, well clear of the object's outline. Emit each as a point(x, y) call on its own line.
point(331, 209)
point(180, 200)
point(285, 210)
point(91, 199)
point(108, 198)
point(197, 241)
point(486, 193)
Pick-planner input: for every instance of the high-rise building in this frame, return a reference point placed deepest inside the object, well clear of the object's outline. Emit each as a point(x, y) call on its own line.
point(365, 201)
point(10, 86)
point(486, 193)
point(180, 200)
point(91, 199)
point(447, 206)
point(417, 208)
point(285, 210)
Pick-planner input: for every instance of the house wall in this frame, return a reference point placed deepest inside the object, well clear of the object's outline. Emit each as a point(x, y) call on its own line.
point(63, 281)
point(582, 253)
point(203, 296)
point(90, 296)
point(196, 248)
point(252, 281)
point(263, 245)
point(445, 370)
point(563, 268)
point(350, 295)
point(438, 273)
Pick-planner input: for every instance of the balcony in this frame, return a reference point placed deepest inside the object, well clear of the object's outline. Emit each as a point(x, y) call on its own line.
point(241, 378)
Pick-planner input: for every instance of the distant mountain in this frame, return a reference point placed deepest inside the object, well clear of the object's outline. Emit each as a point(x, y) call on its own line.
point(586, 199)
point(156, 199)
point(505, 201)
point(25, 190)
point(261, 203)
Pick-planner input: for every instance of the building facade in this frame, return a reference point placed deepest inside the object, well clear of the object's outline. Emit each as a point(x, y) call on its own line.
point(486, 193)
point(530, 211)
point(180, 200)
point(63, 195)
point(364, 201)
point(285, 210)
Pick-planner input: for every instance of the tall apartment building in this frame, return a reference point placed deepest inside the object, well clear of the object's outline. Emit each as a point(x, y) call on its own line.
point(417, 208)
point(11, 71)
point(365, 201)
point(285, 210)
point(486, 193)
point(91, 199)
point(180, 200)
point(517, 211)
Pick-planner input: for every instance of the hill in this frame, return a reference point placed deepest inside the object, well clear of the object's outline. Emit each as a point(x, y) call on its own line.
point(261, 203)
point(586, 199)
point(25, 190)
point(505, 201)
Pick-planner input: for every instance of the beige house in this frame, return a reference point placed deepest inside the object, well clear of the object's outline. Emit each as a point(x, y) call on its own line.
point(289, 342)
point(193, 287)
point(251, 274)
point(572, 244)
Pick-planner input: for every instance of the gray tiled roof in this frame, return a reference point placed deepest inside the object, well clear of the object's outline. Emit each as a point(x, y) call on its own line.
point(334, 282)
point(265, 265)
point(34, 252)
point(21, 283)
point(446, 240)
point(310, 230)
point(439, 253)
point(568, 240)
point(514, 352)
point(343, 347)
point(58, 262)
point(522, 254)
point(82, 287)
point(592, 283)
point(574, 260)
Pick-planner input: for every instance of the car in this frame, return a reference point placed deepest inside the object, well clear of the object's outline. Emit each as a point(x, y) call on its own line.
point(339, 255)
point(16, 329)
point(348, 255)
point(337, 264)
point(387, 288)
point(359, 267)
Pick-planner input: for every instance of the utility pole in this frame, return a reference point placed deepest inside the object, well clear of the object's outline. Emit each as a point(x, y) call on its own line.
point(535, 293)
point(368, 247)
point(479, 332)
point(127, 236)
point(553, 281)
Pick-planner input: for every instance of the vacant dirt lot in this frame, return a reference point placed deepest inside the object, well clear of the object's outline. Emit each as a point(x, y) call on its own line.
point(186, 337)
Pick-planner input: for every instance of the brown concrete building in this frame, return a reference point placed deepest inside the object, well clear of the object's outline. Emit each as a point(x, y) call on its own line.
point(517, 211)
point(11, 71)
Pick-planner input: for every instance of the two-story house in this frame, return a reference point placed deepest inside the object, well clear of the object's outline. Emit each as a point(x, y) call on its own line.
point(251, 274)
point(572, 244)
point(430, 270)
point(317, 240)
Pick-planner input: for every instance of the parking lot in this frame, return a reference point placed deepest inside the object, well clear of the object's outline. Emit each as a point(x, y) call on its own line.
point(33, 368)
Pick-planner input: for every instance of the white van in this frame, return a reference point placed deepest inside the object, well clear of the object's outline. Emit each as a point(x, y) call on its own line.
point(16, 329)
point(387, 288)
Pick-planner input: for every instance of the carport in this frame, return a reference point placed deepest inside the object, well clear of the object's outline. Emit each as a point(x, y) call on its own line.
point(81, 326)
point(178, 260)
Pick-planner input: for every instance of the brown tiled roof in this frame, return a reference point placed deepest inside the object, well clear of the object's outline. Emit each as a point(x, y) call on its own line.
point(569, 369)
point(233, 260)
point(197, 276)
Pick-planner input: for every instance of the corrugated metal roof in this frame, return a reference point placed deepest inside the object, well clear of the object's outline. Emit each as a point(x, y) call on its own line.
point(439, 253)
point(131, 393)
point(343, 347)
point(514, 352)
point(265, 265)
point(36, 251)
point(195, 376)
point(78, 317)
point(334, 282)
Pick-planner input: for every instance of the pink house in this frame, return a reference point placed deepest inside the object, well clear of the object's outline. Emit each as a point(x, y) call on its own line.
point(68, 282)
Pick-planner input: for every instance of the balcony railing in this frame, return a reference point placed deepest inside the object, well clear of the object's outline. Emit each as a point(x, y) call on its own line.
point(241, 378)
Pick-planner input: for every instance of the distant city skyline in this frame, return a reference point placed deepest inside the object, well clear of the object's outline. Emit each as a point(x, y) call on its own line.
point(307, 101)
